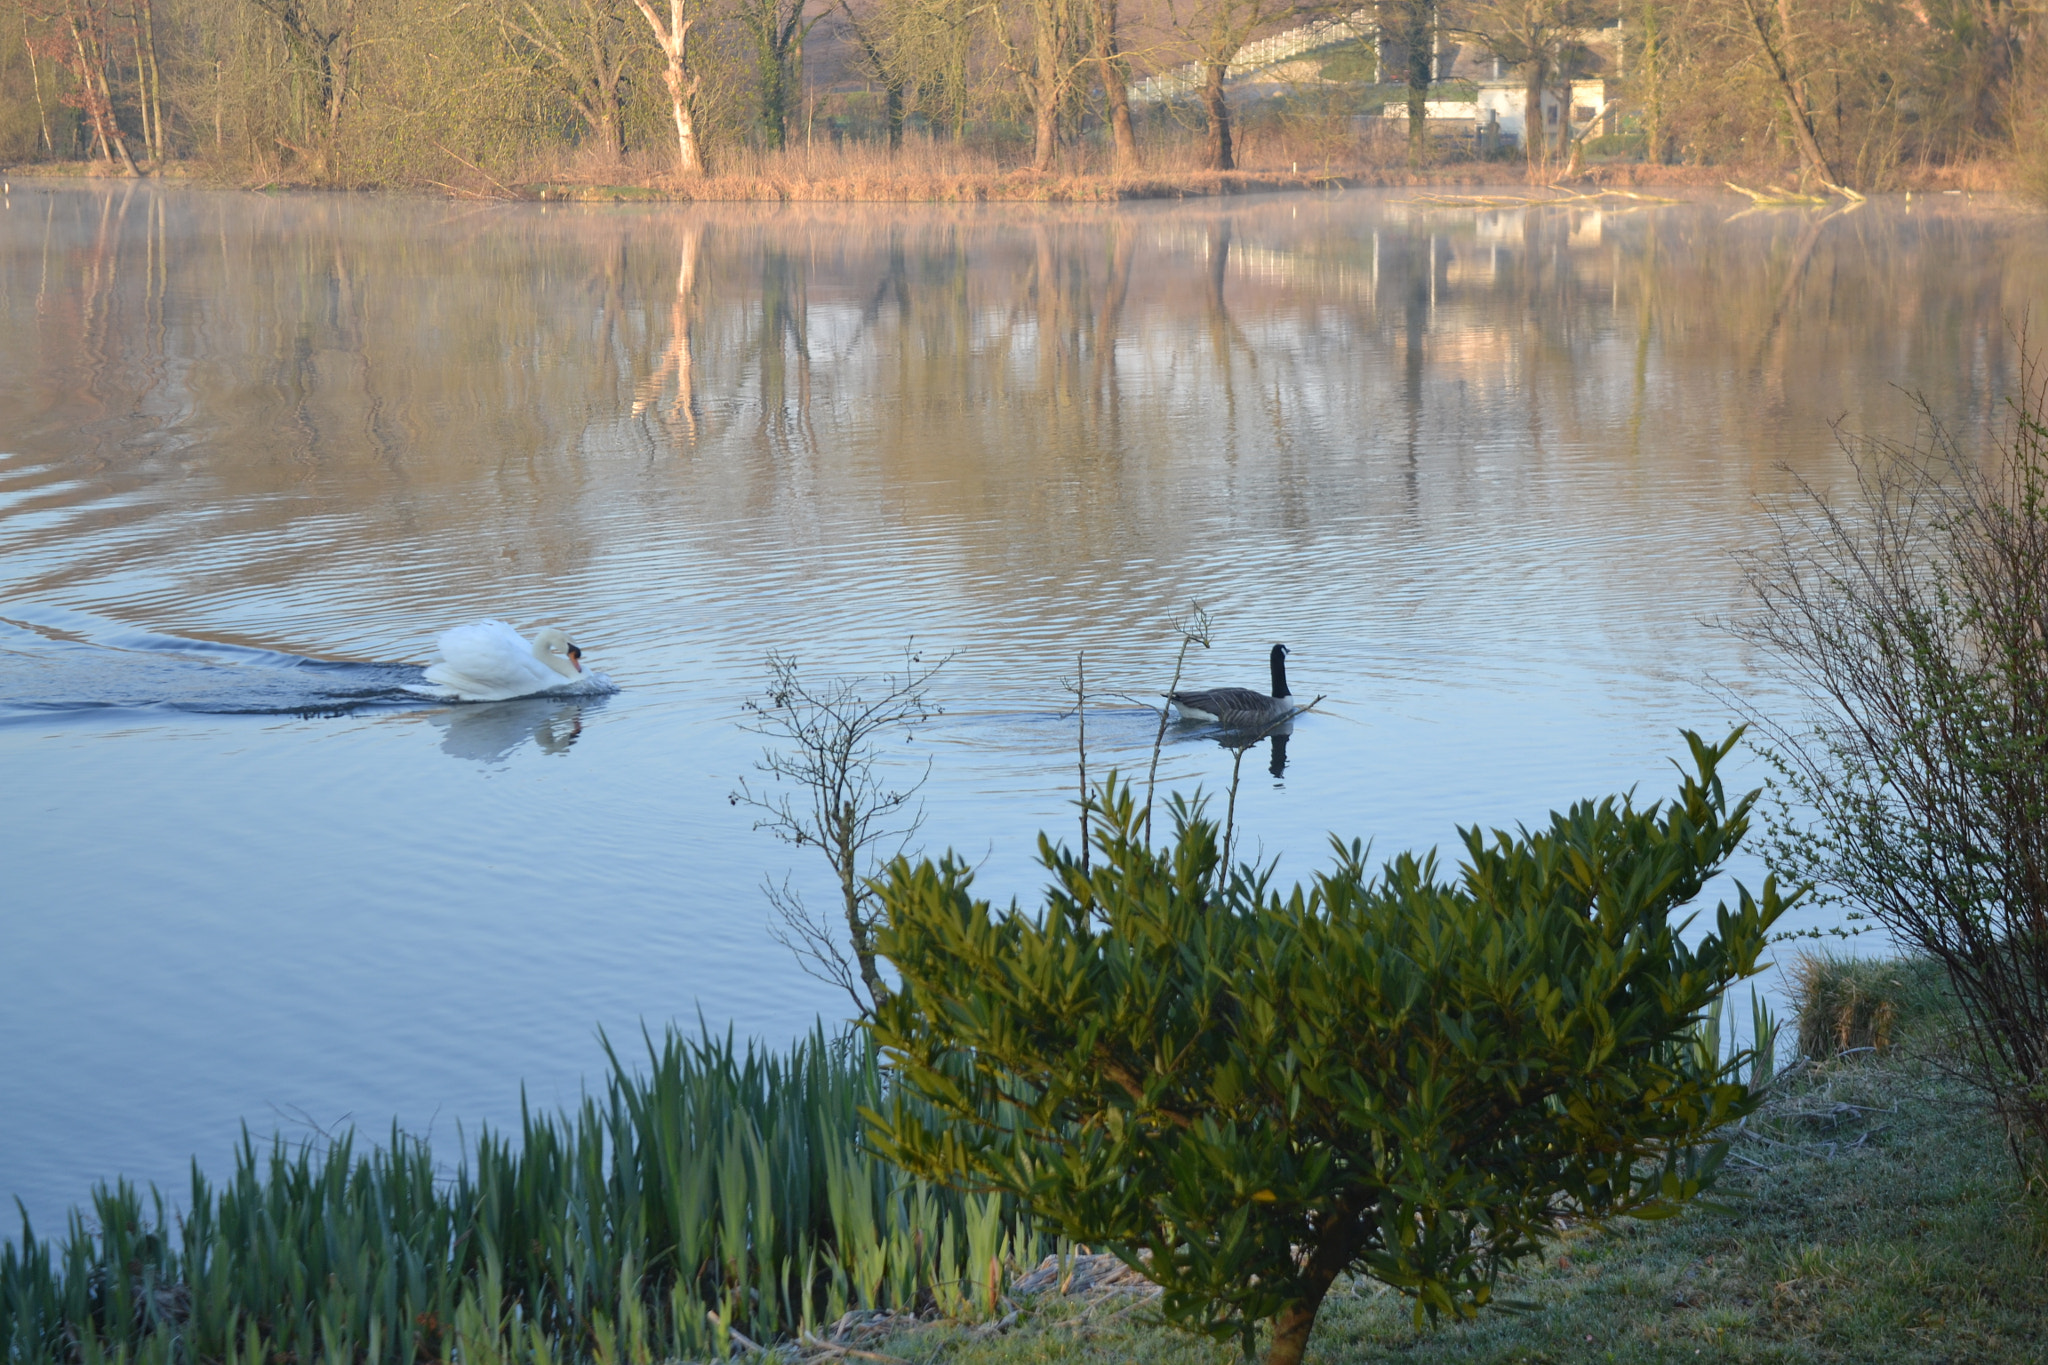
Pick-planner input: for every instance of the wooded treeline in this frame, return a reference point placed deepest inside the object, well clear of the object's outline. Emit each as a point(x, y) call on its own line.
point(425, 92)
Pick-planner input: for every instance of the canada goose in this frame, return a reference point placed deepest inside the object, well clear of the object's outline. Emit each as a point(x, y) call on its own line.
point(1239, 705)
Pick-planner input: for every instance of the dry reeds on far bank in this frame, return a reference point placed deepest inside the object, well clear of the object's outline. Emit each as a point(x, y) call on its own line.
point(924, 170)
point(1271, 157)
point(938, 170)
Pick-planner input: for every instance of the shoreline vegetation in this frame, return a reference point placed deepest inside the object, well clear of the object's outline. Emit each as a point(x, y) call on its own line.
point(1868, 1209)
point(851, 175)
point(889, 100)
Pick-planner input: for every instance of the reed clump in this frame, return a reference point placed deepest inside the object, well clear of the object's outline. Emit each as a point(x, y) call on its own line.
point(1845, 1005)
point(936, 170)
point(722, 1196)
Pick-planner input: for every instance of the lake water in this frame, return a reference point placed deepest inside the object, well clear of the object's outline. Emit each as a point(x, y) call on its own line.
point(1481, 469)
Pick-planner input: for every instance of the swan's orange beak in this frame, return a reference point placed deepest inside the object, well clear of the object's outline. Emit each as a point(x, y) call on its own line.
point(576, 657)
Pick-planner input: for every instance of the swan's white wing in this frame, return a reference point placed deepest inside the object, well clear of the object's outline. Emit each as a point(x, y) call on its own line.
point(489, 661)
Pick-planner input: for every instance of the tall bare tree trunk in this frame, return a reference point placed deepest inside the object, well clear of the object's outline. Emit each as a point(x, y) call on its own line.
point(99, 100)
point(1116, 85)
point(1653, 84)
point(156, 79)
point(1217, 106)
point(1810, 154)
point(674, 37)
point(156, 86)
point(43, 114)
point(1045, 133)
point(883, 69)
point(1564, 119)
point(1052, 44)
point(1788, 45)
point(1419, 33)
point(340, 61)
point(149, 95)
point(1535, 137)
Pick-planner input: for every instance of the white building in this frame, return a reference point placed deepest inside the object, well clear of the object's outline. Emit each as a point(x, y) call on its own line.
point(1507, 102)
point(1437, 111)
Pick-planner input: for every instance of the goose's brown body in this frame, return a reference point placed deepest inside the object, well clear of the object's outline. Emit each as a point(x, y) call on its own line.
point(1239, 706)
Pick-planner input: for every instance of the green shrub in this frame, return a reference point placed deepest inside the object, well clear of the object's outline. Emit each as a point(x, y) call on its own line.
point(1247, 1094)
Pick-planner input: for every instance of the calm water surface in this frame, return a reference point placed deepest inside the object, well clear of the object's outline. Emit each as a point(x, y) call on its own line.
point(1481, 470)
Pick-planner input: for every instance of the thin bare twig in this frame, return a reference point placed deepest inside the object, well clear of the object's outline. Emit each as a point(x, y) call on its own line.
point(1251, 739)
point(1194, 628)
point(846, 805)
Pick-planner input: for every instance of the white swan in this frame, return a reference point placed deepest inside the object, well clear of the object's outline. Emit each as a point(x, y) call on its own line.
point(490, 661)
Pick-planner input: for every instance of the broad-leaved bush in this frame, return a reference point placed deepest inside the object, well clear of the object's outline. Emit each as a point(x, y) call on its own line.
point(1246, 1093)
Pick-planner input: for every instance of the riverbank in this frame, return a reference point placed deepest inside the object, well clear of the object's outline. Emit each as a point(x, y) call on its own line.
point(1868, 1212)
point(863, 175)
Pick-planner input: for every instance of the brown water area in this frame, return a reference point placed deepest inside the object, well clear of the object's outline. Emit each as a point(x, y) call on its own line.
point(1482, 469)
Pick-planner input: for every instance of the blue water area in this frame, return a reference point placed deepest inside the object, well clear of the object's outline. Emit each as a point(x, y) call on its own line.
point(63, 661)
point(1487, 472)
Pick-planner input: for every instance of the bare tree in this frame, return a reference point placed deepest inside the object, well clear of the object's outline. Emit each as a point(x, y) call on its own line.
point(926, 55)
point(1046, 43)
point(321, 35)
point(1115, 73)
point(35, 75)
point(1649, 77)
point(1913, 621)
point(1214, 30)
point(1776, 41)
point(683, 83)
point(778, 29)
point(583, 46)
point(80, 43)
point(874, 42)
point(1408, 27)
point(148, 80)
point(846, 802)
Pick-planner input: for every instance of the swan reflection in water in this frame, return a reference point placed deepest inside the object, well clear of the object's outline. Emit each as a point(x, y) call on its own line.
point(490, 732)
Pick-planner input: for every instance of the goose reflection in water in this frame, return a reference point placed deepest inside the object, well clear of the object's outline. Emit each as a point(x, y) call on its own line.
point(490, 732)
point(1240, 740)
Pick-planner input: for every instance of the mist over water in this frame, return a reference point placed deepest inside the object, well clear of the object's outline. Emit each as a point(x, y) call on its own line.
point(1483, 471)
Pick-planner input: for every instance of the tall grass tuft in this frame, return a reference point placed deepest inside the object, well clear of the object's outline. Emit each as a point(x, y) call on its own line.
point(725, 1189)
point(1851, 1004)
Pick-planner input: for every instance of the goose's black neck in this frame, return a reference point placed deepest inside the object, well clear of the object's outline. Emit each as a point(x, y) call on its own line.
point(1279, 670)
